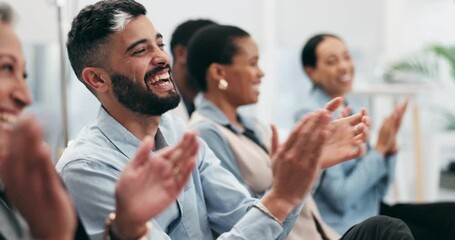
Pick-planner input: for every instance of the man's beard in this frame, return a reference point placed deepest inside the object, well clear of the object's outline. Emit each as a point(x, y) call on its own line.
point(138, 99)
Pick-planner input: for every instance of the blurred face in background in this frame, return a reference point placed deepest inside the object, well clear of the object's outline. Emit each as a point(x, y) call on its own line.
point(334, 70)
point(243, 74)
point(14, 93)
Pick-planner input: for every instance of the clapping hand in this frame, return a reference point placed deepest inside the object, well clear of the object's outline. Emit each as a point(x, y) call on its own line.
point(386, 143)
point(348, 135)
point(296, 163)
point(151, 182)
point(33, 186)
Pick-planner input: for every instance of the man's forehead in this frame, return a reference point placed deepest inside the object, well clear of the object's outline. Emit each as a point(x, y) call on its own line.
point(138, 28)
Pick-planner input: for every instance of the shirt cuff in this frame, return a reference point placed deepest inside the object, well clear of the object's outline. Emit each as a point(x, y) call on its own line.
point(264, 227)
point(264, 209)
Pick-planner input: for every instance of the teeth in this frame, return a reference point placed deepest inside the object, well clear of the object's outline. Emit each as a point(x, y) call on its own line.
point(346, 78)
point(8, 118)
point(159, 77)
point(161, 84)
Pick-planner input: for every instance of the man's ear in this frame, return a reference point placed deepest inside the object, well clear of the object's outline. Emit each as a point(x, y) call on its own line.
point(96, 78)
point(312, 73)
point(180, 52)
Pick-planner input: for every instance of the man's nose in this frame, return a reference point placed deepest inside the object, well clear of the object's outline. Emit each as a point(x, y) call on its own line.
point(160, 58)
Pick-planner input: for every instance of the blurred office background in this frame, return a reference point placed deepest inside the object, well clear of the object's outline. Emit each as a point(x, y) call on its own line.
point(398, 47)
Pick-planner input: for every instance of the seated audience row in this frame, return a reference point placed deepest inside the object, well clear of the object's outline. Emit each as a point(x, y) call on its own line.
point(352, 191)
point(136, 173)
point(224, 63)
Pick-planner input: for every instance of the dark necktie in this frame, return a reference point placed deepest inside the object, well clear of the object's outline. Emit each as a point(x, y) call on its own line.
point(250, 135)
point(319, 228)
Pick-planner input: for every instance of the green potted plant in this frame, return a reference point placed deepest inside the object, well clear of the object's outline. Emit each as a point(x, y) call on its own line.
point(422, 66)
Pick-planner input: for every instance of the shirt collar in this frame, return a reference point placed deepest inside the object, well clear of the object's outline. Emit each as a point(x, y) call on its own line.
point(117, 134)
point(123, 139)
point(206, 108)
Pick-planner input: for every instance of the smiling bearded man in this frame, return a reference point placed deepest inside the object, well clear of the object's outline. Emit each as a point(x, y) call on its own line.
point(133, 95)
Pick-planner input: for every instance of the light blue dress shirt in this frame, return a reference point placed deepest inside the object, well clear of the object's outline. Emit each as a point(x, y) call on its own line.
point(212, 198)
point(350, 192)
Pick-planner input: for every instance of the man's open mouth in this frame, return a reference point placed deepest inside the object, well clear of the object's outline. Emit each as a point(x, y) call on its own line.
point(160, 82)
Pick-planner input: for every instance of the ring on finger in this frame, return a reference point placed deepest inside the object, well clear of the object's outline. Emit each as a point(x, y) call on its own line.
point(356, 131)
point(176, 172)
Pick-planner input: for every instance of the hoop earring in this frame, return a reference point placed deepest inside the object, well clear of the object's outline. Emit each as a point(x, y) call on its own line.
point(223, 84)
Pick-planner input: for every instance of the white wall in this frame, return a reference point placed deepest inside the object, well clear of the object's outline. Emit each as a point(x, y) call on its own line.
point(166, 15)
point(428, 22)
point(37, 20)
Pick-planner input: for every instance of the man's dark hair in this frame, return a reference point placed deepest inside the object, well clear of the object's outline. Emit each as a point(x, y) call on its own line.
point(308, 56)
point(212, 44)
point(88, 37)
point(183, 33)
point(6, 13)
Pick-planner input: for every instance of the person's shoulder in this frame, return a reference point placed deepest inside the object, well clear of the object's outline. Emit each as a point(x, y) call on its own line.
point(305, 108)
point(203, 124)
point(89, 146)
point(314, 100)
